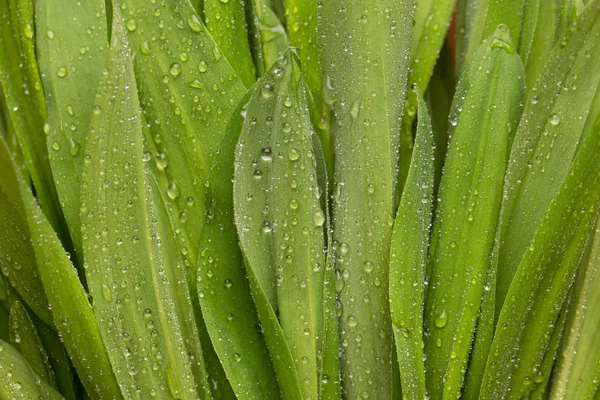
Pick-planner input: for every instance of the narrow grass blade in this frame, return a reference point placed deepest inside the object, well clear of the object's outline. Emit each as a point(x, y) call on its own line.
point(485, 15)
point(467, 213)
point(24, 338)
point(555, 117)
point(569, 12)
point(270, 38)
point(20, 81)
point(69, 304)
point(542, 41)
point(133, 267)
point(432, 18)
point(61, 363)
point(577, 373)
point(18, 380)
point(544, 278)
point(226, 22)
point(365, 67)
point(410, 242)
point(280, 214)
point(230, 315)
point(72, 46)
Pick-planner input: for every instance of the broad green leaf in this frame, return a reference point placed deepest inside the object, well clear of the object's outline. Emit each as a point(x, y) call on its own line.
point(133, 267)
point(410, 242)
point(230, 315)
point(470, 197)
point(542, 41)
point(226, 22)
point(544, 278)
point(72, 46)
point(69, 302)
point(268, 35)
point(18, 380)
point(280, 213)
point(577, 372)
point(20, 81)
point(364, 54)
point(557, 114)
point(24, 338)
point(482, 18)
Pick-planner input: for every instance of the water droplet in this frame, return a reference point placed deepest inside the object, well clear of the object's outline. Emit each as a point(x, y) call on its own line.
point(105, 292)
point(28, 31)
point(266, 90)
point(217, 54)
point(354, 109)
point(555, 119)
point(294, 204)
point(266, 154)
point(257, 174)
point(175, 69)
point(195, 24)
point(318, 218)
point(441, 320)
point(131, 25)
point(368, 266)
point(145, 48)
point(50, 34)
point(288, 101)
point(266, 227)
point(237, 357)
point(56, 146)
point(352, 321)
point(62, 72)
point(293, 154)
point(173, 191)
point(196, 84)
point(286, 127)
point(202, 67)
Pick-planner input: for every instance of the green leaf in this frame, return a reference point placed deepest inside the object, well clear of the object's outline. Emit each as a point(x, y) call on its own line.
point(18, 380)
point(24, 338)
point(226, 22)
point(556, 116)
point(268, 35)
point(410, 242)
point(280, 214)
point(63, 291)
point(132, 263)
point(60, 362)
point(470, 196)
point(230, 315)
point(484, 16)
point(20, 81)
point(542, 41)
point(543, 279)
point(577, 370)
point(72, 47)
point(364, 55)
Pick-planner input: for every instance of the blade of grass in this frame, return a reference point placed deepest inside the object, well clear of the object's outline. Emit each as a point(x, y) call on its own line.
point(72, 47)
point(544, 278)
point(484, 16)
point(69, 304)
point(277, 204)
point(20, 81)
point(231, 316)
point(555, 117)
point(18, 380)
point(133, 267)
point(576, 375)
point(226, 21)
point(364, 54)
point(432, 18)
point(24, 338)
point(60, 362)
point(468, 209)
point(410, 242)
point(269, 36)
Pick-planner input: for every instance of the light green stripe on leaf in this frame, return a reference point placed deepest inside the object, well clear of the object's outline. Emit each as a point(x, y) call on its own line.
point(365, 50)
point(467, 213)
point(134, 270)
point(72, 47)
point(410, 242)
